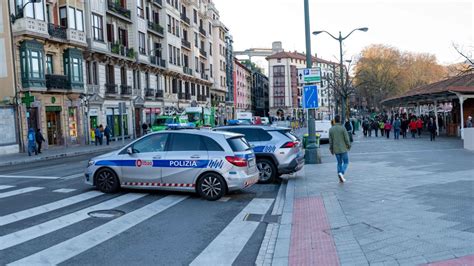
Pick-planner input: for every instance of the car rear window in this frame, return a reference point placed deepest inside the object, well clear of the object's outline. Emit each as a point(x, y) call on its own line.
point(288, 134)
point(238, 144)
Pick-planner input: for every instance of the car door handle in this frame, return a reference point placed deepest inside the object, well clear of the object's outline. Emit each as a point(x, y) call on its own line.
point(195, 157)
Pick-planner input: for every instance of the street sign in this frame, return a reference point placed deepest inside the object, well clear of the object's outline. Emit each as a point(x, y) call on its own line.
point(309, 75)
point(310, 97)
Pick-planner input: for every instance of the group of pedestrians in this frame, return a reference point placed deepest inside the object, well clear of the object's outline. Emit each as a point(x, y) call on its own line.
point(100, 132)
point(35, 141)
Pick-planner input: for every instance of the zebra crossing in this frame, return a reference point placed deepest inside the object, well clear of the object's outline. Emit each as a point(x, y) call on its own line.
point(20, 228)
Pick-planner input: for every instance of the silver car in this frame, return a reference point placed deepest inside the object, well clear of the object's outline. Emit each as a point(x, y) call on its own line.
point(206, 162)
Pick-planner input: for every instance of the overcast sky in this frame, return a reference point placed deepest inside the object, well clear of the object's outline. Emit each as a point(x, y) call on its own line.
point(430, 26)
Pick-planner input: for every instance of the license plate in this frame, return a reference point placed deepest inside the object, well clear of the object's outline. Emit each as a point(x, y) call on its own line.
point(251, 163)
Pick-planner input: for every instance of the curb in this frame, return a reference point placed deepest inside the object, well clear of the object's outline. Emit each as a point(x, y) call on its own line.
point(282, 247)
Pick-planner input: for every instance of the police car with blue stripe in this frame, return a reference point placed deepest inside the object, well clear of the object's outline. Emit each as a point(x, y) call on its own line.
point(209, 163)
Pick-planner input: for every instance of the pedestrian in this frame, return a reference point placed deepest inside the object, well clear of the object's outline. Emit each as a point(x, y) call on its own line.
point(404, 127)
point(39, 140)
point(32, 142)
point(432, 128)
point(107, 134)
point(339, 145)
point(387, 127)
point(381, 127)
point(365, 127)
point(98, 136)
point(375, 127)
point(349, 127)
point(145, 128)
point(413, 128)
point(397, 124)
point(469, 122)
point(419, 126)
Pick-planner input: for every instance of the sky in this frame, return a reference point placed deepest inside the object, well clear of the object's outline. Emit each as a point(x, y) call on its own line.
point(422, 26)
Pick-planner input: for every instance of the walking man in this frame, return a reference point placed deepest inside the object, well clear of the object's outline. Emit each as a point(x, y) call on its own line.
point(98, 136)
point(397, 124)
point(107, 134)
point(39, 139)
point(432, 128)
point(339, 145)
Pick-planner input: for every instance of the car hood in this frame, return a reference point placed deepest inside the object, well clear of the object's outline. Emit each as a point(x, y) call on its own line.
point(106, 155)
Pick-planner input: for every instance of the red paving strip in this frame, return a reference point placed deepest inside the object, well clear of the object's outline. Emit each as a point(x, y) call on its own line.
point(463, 261)
point(311, 242)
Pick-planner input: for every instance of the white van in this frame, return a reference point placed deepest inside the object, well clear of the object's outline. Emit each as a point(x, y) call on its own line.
point(322, 128)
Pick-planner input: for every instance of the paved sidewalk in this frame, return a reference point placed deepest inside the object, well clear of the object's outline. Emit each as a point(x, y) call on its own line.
point(405, 202)
point(58, 152)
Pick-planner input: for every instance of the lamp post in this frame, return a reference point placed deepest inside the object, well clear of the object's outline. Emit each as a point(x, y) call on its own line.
point(341, 64)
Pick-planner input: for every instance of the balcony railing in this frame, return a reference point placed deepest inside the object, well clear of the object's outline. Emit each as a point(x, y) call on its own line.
point(155, 60)
point(91, 88)
point(117, 8)
point(155, 27)
point(57, 82)
point(149, 92)
point(181, 95)
point(187, 96)
point(57, 31)
point(185, 19)
point(203, 53)
point(159, 94)
point(202, 98)
point(110, 88)
point(187, 71)
point(122, 50)
point(204, 76)
point(186, 43)
point(125, 90)
point(202, 31)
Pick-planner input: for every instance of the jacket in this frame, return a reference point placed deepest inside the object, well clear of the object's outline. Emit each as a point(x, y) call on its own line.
point(432, 127)
point(412, 126)
point(397, 124)
point(339, 141)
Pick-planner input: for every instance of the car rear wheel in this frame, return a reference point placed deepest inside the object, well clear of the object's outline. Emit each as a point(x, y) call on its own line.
point(211, 186)
point(107, 181)
point(267, 171)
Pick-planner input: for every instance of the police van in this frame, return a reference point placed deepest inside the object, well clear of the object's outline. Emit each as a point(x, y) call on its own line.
point(209, 163)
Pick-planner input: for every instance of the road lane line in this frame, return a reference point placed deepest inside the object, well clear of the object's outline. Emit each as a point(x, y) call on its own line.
point(29, 177)
point(21, 215)
point(33, 232)
point(225, 248)
point(5, 187)
point(18, 191)
point(64, 190)
point(72, 176)
point(76, 245)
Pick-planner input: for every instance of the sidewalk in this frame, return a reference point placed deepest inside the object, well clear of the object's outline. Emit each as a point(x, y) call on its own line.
point(405, 202)
point(58, 152)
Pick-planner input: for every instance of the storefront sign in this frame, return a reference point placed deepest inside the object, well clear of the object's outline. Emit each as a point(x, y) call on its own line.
point(53, 108)
point(93, 112)
point(153, 110)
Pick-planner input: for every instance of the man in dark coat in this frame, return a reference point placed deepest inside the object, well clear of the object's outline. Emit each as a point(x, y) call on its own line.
point(39, 140)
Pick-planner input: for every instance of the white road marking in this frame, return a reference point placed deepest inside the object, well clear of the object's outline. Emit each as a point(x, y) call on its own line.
point(74, 246)
point(29, 177)
point(18, 191)
point(64, 190)
point(33, 232)
point(224, 199)
point(21, 215)
point(225, 248)
point(72, 176)
point(5, 187)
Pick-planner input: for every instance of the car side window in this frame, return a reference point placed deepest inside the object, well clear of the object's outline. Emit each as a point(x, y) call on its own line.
point(251, 134)
point(152, 143)
point(264, 135)
point(186, 142)
point(211, 145)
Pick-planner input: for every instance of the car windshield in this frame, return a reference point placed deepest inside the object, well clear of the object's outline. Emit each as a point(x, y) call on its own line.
point(238, 144)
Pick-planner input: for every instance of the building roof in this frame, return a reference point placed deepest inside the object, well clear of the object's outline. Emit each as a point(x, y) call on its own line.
point(461, 84)
point(298, 56)
point(241, 65)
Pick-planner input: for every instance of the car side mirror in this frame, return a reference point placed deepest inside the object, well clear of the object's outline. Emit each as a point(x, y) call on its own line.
point(129, 150)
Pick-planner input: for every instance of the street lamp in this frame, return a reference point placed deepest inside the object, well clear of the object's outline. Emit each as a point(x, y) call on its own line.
point(341, 66)
point(20, 10)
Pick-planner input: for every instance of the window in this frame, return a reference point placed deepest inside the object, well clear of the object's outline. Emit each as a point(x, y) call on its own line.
point(212, 145)
point(170, 52)
point(196, 40)
point(210, 70)
point(33, 10)
point(140, 8)
point(74, 19)
point(169, 23)
point(186, 142)
point(210, 28)
point(141, 43)
point(210, 48)
point(196, 61)
point(153, 143)
point(73, 67)
point(110, 33)
point(123, 37)
point(95, 75)
point(36, 64)
point(97, 28)
point(63, 17)
point(195, 16)
point(238, 144)
point(49, 64)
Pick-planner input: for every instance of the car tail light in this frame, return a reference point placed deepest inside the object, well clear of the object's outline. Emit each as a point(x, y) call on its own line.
point(237, 161)
point(290, 144)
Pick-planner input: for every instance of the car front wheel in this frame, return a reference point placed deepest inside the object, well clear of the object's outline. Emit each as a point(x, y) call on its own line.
point(211, 186)
point(107, 181)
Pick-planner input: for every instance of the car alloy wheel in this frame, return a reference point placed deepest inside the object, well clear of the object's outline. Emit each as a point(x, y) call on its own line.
point(107, 181)
point(267, 171)
point(211, 186)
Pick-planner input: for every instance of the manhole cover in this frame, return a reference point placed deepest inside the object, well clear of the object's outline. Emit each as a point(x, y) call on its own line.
point(269, 219)
point(106, 213)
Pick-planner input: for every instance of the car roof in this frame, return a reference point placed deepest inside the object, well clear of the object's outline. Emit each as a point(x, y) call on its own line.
point(264, 127)
point(203, 132)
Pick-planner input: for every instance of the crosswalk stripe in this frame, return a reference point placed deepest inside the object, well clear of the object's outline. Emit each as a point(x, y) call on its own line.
point(18, 191)
point(225, 248)
point(33, 232)
point(29, 177)
point(74, 246)
point(5, 187)
point(21, 215)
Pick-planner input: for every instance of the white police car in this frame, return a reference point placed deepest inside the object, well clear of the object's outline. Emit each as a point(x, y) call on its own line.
point(206, 162)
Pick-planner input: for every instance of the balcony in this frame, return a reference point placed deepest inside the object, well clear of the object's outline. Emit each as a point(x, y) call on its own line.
point(187, 96)
point(157, 2)
point(159, 94)
point(185, 19)
point(118, 9)
point(125, 90)
point(202, 98)
point(111, 88)
point(149, 92)
point(77, 36)
point(202, 31)
point(186, 43)
point(30, 26)
point(157, 61)
point(202, 52)
point(204, 76)
point(155, 27)
point(121, 50)
point(91, 88)
point(187, 71)
point(57, 82)
point(56, 31)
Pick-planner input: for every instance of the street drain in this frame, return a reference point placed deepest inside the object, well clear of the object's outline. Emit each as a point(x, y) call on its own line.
point(106, 214)
point(269, 219)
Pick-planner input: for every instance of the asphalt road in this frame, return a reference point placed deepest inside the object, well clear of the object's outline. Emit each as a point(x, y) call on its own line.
point(45, 219)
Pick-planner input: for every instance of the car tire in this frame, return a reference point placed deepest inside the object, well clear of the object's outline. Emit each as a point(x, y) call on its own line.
point(211, 186)
point(107, 181)
point(267, 171)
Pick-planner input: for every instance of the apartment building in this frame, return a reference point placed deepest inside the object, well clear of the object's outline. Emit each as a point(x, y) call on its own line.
point(285, 94)
point(242, 87)
point(77, 60)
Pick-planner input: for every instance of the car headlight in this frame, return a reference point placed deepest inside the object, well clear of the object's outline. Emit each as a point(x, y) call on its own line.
point(90, 163)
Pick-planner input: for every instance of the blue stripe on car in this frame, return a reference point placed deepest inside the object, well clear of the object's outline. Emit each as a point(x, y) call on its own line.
point(166, 163)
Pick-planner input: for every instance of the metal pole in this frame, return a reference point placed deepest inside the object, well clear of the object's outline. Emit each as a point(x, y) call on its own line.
point(312, 155)
point(341, 73)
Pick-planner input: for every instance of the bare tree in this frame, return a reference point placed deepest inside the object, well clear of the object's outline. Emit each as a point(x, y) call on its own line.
point(467, 67)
